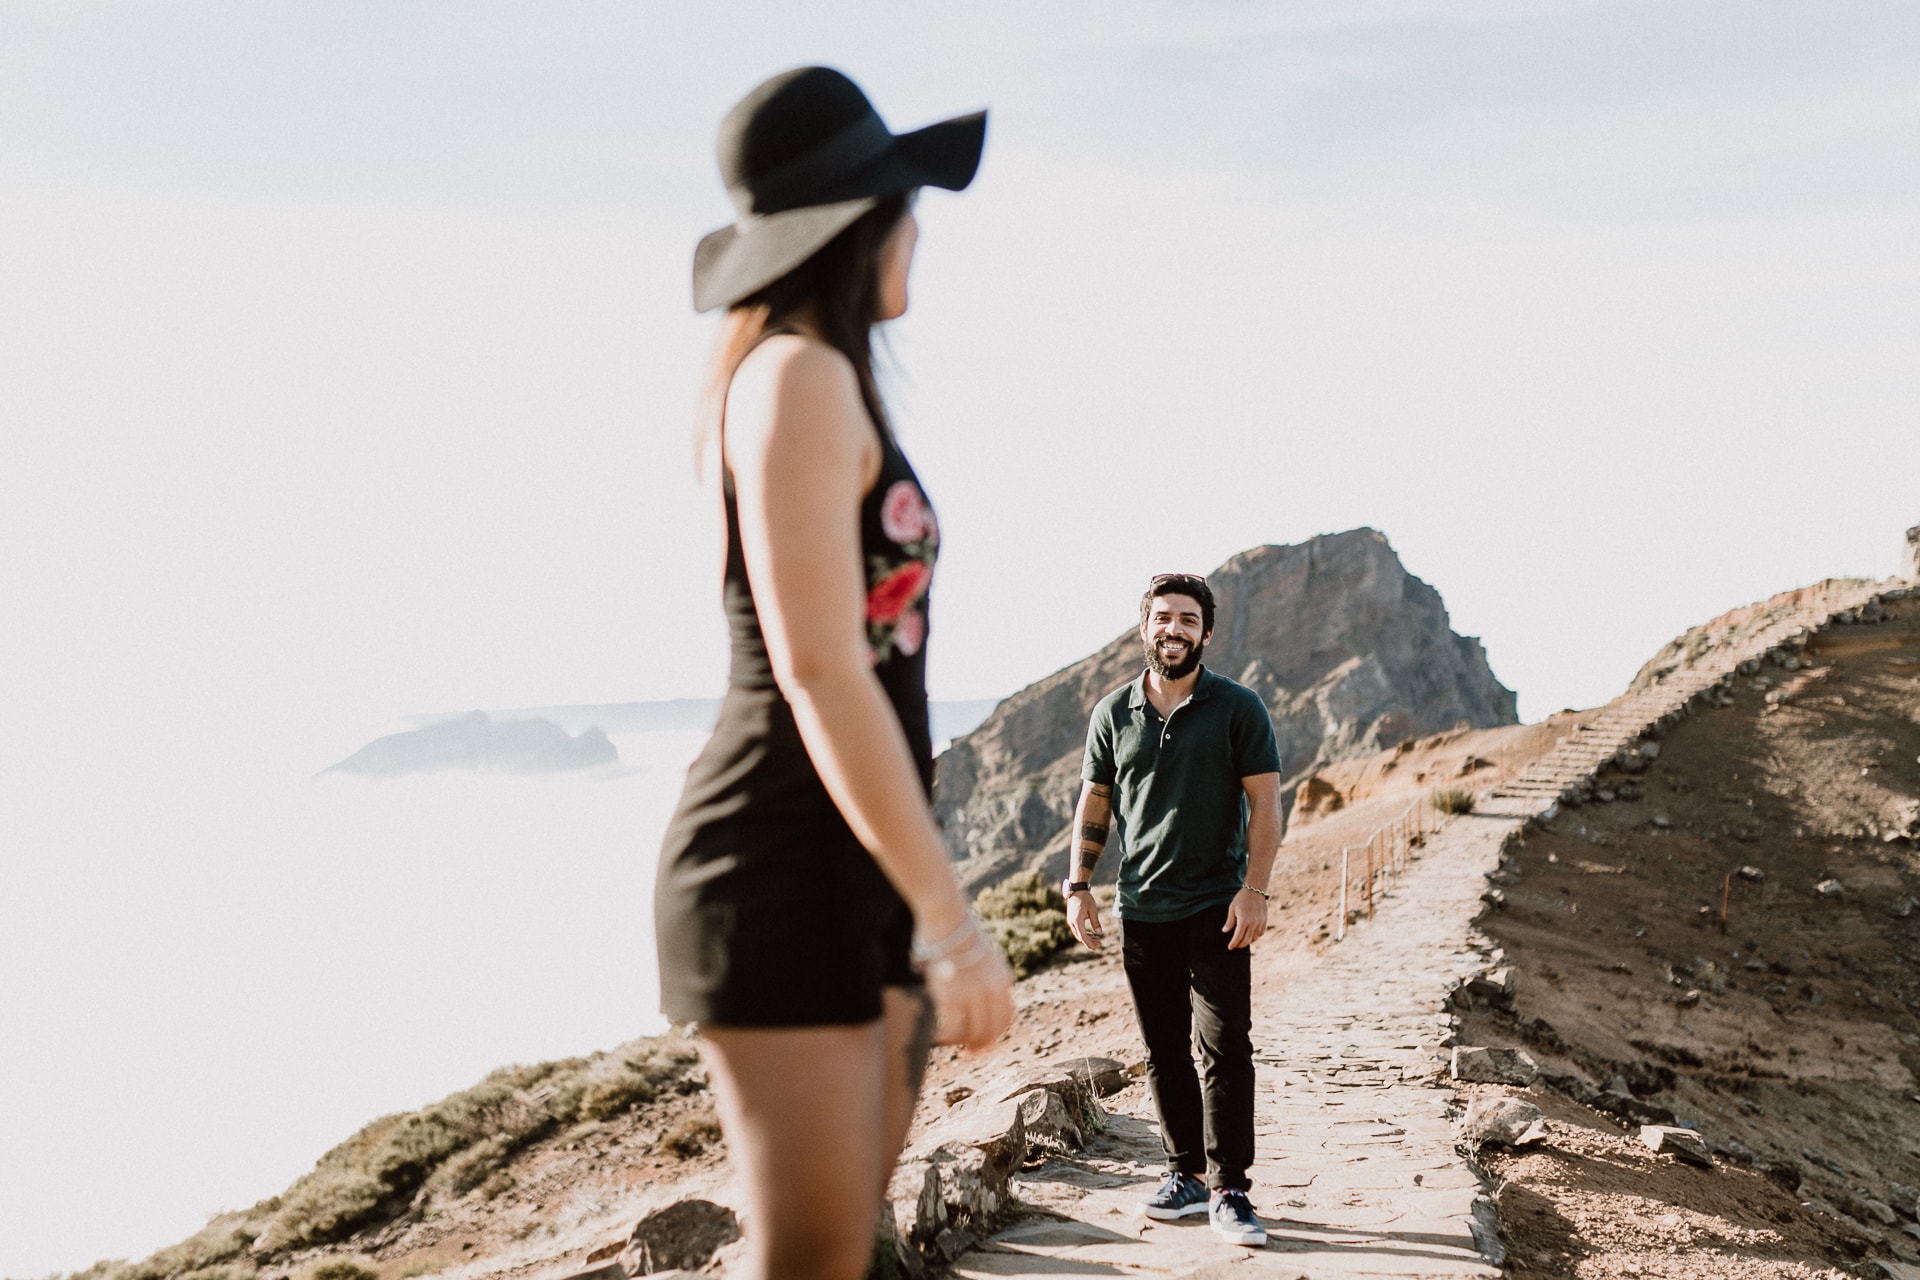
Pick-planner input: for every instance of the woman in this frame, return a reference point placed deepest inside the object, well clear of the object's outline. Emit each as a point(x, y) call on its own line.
point(804, 888)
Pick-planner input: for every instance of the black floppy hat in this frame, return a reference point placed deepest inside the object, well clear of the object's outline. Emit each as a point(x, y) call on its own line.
point(803, 156)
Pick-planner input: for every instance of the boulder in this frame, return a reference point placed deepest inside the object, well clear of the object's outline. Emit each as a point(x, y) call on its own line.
point(1097, 1077)
point(1315, 798)
point(955, 1184)
point(1049, 1121)
point(1867, 1209)
point(1494, 987)
point(1503, 1121)
point(1683, 1145)
point(1479, 1065)
point(684, 1235)
point(1903, 1198)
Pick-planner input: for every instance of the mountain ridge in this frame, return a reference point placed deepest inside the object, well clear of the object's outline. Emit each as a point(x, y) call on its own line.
point(1350, 652)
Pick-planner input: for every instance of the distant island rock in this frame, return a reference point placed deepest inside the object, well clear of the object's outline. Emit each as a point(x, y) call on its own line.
point(951, 718)
point(1350, 652)
point(477, 741)
point(553, 739)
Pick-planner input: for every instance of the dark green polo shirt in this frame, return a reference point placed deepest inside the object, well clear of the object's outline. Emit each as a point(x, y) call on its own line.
point(1179, 811)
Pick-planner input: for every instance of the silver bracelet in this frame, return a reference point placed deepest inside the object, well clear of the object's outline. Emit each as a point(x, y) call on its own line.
point(930, 953)
point(943, 969)
point(1262, 892)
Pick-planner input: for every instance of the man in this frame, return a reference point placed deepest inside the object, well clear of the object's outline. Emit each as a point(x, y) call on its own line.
point(1181, 764)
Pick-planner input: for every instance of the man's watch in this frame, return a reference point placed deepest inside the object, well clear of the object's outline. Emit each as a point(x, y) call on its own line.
point(1070, 887)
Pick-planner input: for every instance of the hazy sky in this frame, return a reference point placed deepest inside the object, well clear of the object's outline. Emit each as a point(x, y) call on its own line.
point(346, 367)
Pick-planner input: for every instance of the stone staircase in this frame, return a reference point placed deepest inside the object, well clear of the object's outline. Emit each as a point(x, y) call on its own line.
point(1591, 744)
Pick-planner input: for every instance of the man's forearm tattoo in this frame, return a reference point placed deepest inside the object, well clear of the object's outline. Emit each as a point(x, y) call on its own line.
point(1093, 833)
point(1093, 842)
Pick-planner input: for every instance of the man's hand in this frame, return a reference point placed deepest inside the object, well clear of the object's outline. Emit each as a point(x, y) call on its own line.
point(1083, 917)
point(1246, 919)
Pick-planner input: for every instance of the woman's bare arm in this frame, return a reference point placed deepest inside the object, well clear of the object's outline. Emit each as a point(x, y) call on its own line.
point(803, 453)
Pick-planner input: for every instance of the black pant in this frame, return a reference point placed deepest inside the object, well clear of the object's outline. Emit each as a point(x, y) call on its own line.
point(1188, 990)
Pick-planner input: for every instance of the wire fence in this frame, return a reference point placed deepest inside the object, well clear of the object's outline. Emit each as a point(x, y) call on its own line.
point(1384, 854)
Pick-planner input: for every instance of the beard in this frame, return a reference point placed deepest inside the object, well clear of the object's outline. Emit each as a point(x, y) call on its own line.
point(1178, 669)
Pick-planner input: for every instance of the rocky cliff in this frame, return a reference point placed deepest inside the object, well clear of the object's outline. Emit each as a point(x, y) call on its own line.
point(1350, 652)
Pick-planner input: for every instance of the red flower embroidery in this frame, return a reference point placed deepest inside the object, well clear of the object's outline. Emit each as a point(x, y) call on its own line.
point(910, 632)
point(904, 514)
point(896, 591)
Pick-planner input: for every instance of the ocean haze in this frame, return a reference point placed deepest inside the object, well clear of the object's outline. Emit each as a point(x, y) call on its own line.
point(316, 950)
point(217, 966)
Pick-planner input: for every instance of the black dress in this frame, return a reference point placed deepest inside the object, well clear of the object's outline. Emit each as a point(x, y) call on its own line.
point(768, 912)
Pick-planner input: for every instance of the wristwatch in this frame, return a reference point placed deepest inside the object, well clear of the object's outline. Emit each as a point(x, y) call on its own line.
point(1070, 887)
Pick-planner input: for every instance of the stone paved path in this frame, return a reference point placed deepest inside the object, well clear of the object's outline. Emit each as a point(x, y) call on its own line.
point(1356, 1174)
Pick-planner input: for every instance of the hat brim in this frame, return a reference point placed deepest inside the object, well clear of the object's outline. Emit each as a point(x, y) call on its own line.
point(741, 259)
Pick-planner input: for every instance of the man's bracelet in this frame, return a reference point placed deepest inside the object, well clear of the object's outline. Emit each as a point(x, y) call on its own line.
point(1262, 892)
point(1070, 887)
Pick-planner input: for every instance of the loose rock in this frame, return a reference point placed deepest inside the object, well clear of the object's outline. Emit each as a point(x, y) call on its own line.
point(1682, 1144)
point(1479, 1065)
point(1829, 888)
point(1503, 1121)
point(685, 1234)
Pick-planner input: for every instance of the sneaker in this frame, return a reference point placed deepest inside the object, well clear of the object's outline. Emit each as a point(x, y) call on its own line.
point(1233, 1219)
point(1179, 1195)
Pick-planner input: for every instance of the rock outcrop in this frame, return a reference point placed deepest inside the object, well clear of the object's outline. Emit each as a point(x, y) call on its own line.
point(1350, 652)
point(1910, 555)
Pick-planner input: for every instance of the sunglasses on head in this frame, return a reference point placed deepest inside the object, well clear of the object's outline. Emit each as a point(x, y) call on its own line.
point(1162, 581)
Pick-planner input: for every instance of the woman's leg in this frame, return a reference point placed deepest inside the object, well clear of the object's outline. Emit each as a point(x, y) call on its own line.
point(908, 1017)
point(805, 1111)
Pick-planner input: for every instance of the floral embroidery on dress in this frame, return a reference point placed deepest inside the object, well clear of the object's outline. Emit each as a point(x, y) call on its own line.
point(897, 589)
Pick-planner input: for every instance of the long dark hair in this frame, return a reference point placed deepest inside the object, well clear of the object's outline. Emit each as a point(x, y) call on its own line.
point(837, 290)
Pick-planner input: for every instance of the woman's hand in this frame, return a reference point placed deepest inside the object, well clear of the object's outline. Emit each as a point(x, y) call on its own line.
point(972, 993)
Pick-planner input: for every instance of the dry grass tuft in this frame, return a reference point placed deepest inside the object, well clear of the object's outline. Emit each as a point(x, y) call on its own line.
point(453, 1148)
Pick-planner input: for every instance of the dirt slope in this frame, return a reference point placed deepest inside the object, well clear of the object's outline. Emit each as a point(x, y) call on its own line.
point(1788, 1035)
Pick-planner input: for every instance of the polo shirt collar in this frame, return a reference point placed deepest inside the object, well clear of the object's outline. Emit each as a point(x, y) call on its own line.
point(1202, 689)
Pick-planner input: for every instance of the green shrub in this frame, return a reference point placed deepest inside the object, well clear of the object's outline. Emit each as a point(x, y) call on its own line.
point(692, 1135)
point(224, 1271)
point(467, 1169)
point(339, 1269)
point(1024, 917)
point(1023, 893)
point(1453, 799)
point(227, 1237)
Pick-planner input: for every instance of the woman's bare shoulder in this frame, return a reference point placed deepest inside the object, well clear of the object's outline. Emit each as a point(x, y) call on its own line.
point(793, 384)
